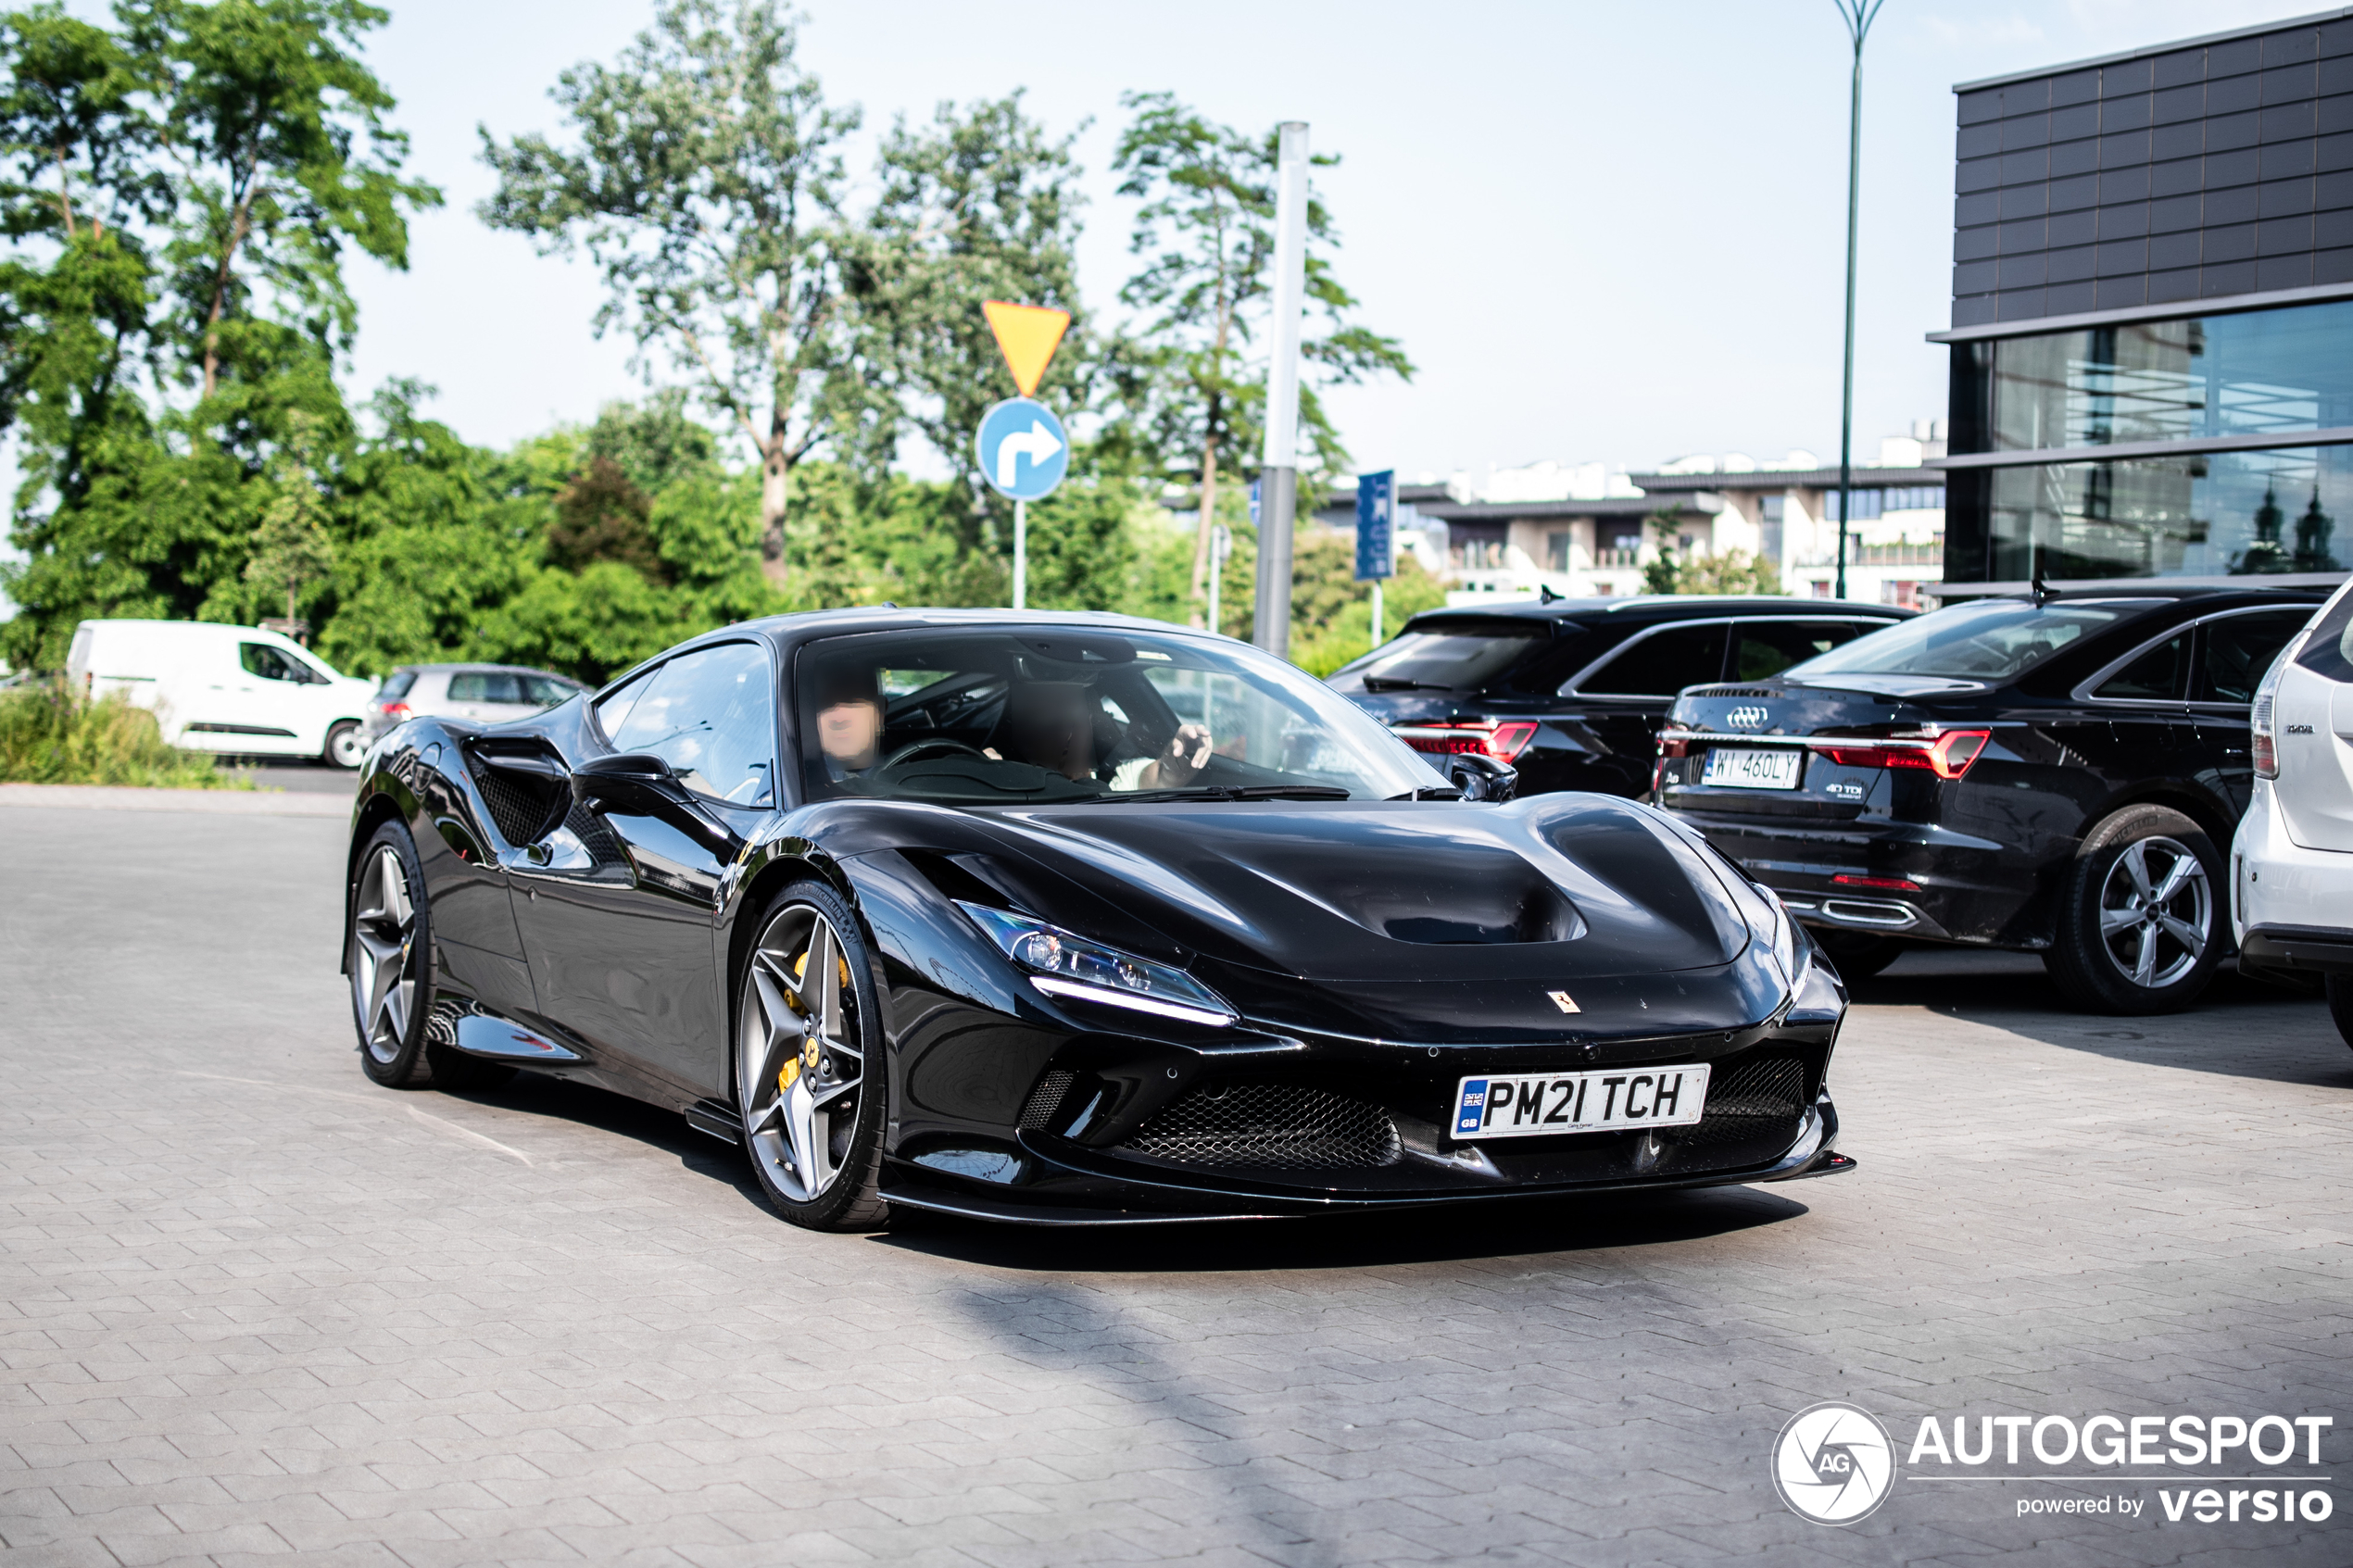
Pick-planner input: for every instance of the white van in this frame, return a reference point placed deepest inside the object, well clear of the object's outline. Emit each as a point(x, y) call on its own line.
point(224, 688)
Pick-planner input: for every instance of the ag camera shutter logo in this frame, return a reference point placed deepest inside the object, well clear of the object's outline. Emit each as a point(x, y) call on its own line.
point(1833, 1464)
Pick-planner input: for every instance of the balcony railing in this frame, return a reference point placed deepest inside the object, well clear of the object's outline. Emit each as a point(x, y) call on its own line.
point(1880, 555)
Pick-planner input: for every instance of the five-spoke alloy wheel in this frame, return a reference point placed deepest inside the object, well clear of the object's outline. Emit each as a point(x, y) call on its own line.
point(808, 1076)
point(391, 977)
point(2140, 926)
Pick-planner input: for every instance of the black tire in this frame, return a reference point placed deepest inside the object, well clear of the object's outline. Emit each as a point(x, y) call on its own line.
point(343, 748)
point(406, 1041)
point(2117, 951)
point(2341, 1006)
point(1857, 956)
point(818, 1166)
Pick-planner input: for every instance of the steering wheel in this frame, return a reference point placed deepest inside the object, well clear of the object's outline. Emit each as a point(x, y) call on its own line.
point(940, 745)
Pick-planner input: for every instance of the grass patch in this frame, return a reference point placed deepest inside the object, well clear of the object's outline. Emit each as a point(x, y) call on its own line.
point(48, 735)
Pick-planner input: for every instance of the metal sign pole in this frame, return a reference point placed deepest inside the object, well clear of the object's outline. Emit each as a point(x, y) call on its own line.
point(1271, 628)
point(1021, 555)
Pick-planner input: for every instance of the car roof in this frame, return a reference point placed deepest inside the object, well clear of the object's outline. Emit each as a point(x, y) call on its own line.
point(1631, 608)
point(467, 669)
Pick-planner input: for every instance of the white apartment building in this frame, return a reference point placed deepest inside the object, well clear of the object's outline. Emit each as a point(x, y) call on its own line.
point(1579, 529)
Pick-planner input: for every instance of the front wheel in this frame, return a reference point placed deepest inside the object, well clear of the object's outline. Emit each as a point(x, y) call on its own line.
point(345, 748)
point(809, 1079)
point(2140, 920)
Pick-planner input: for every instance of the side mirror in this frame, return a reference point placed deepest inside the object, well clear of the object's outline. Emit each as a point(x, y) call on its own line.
point(1480, 777)
point(617, 777)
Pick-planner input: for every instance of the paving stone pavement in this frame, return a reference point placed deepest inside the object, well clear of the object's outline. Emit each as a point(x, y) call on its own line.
point(252, 1309)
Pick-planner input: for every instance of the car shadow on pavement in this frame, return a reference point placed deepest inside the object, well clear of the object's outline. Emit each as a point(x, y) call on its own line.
point(1506, 1228)
point(2240, 1028)
point(536, 1094)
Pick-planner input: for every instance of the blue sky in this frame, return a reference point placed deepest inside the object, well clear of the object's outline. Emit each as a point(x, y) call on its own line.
point(1603, 230)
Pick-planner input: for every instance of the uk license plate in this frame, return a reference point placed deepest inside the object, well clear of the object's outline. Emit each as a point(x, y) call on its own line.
point(1743, 767)
point(1527, 1105)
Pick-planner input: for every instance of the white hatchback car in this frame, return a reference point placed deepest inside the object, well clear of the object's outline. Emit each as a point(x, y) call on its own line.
point(490, 694)
point(2292, 860)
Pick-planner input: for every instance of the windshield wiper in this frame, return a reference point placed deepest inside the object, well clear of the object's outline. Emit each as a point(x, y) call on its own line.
point(1394, 683)
point(1232, 792)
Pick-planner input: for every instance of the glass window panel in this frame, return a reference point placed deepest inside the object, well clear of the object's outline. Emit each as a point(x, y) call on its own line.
point(2245, 374)
point(711, 714)
point(546, 691)
point(2239, 648)
point(2205, 515)
point(269, 663)
point(1005, 716)
point(1447, 659)
point(1663, 663)
point(1767, 648)
point(2155, 676)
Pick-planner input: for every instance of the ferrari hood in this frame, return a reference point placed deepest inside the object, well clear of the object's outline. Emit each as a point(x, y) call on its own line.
point(1556, 888)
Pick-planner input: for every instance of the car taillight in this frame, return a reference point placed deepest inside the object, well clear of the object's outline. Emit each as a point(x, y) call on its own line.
point(393, 709)
point(1675, 741)
point(1502, 739)
point(1893, 884)
point(1948, 755)
point(2262, 743)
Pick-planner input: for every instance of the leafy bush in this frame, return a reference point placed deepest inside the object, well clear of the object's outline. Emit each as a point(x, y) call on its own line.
point(48, 736)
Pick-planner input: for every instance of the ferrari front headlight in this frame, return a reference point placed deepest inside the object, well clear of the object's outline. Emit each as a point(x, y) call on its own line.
point(1061, 963)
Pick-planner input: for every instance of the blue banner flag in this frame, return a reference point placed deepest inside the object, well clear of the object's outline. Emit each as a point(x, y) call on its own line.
point(1376, 525)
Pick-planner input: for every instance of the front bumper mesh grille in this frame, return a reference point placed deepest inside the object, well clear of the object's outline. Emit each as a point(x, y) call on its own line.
point(1756, 1103)
point(1268, 1127)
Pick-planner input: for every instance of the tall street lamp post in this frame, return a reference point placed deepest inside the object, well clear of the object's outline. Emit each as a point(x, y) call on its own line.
point(1859, 16)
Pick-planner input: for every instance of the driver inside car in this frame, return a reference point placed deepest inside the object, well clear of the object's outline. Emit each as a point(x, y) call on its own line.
point(849, 721)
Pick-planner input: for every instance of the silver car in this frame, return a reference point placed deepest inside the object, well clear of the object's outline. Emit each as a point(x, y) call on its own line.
point(488, 693)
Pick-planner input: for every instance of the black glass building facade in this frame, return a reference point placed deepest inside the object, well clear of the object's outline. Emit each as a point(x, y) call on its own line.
point(2152, 328)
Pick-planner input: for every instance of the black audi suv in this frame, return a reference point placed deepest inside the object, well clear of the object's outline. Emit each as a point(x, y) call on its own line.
point(1572, 692)
point(2055, 773)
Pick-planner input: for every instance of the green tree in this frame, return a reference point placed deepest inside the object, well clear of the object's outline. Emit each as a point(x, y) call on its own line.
point(1205, 235)
point(706, 187)
point(281, 158)
point(181, 189)
point(292, 548)
point(980, 203)
point(1677, 570)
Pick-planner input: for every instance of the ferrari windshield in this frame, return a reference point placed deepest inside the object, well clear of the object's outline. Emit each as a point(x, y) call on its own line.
point(1989, 640)
point(970, 716)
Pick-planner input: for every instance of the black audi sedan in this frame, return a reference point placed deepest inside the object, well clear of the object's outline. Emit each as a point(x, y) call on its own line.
point(1073, 919)
point(1572, 692)
point(2053, 772)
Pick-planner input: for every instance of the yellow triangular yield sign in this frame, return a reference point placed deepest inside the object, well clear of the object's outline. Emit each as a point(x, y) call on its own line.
point(1027, 336)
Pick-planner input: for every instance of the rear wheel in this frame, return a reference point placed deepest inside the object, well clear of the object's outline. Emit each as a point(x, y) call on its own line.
point(809, 1080)
point(2341, 1006)
point(404, 1044)
point(2140, 919)
point(1855, 955)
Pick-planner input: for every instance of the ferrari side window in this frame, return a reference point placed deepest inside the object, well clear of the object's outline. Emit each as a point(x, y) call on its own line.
point(710, 714)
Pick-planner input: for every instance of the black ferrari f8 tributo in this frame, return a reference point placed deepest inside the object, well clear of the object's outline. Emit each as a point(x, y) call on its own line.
point(1073, 920)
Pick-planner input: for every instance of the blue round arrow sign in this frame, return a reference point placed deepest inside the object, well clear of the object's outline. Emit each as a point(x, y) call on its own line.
point(1023, 450)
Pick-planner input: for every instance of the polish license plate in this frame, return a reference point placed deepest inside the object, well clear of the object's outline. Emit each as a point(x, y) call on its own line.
point(1742, 767)
point(1527, 1105)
